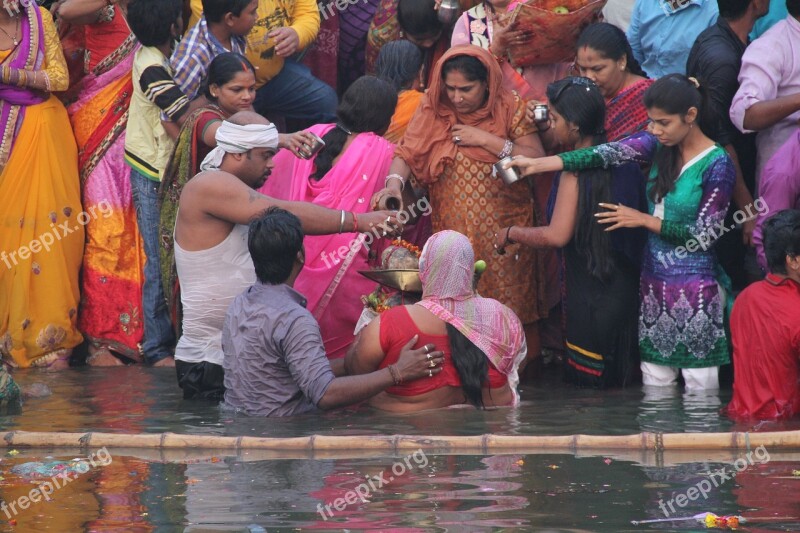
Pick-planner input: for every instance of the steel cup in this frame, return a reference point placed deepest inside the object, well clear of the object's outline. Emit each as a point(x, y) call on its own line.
point(508, 175)
point(449, 11)
point(314, 148)
point(541, 113)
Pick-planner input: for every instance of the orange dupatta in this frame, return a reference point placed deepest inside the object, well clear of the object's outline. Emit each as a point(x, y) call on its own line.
point(427, 146)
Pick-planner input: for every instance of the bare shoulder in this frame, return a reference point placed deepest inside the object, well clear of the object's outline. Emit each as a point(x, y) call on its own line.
point(426, 321)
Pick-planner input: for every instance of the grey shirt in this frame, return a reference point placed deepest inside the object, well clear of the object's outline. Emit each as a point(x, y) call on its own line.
point(275, 362)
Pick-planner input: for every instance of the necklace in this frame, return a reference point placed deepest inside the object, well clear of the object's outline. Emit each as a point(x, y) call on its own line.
point(16, 31)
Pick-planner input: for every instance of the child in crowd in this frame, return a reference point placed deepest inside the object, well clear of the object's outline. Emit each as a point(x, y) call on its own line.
point(157, 24)
point(222, 28)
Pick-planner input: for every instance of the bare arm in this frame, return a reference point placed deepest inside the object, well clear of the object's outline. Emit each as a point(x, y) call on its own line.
point(766, 114)
point(561, 228)
point(366, 353)
point(79, 11)
point(226, 197)
point(394, 189)
point(412, 364)
point(742, 197)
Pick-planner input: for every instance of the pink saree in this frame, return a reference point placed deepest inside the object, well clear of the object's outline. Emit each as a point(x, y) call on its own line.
point(113, 261)
point(330, 280)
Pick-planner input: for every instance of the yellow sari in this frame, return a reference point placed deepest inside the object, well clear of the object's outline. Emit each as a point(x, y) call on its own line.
point(41, 231)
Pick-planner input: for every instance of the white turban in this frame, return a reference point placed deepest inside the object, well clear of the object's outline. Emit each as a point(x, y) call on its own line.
point(235, 139)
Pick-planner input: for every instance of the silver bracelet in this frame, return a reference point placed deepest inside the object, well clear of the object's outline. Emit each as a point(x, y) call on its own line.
point(395, 176)
point(508, 147)
point(341, 222)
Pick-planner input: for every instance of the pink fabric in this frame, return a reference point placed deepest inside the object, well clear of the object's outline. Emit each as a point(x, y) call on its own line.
point(446, 270)
point(330, 280)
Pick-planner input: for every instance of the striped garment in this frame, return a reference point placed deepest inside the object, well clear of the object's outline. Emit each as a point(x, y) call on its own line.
point(147, 145)
point(194, 54)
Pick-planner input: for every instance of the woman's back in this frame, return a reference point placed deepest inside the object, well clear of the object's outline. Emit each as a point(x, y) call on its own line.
point(441, 390)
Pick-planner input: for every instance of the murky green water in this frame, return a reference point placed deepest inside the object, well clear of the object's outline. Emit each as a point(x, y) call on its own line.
point(140, 490)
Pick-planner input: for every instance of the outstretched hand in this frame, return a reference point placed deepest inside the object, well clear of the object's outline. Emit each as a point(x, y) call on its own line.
point(384, 223)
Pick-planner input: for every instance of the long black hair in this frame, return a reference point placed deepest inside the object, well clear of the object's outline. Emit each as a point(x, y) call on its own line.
point(611, 43)
point(674, 94)
point(580, 102)
point(399, 63)
point(223, 69)
point(366, 106)
point(418, 18)
point(471, 365)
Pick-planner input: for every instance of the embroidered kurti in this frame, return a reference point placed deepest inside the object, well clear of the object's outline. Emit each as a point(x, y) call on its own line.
point(682, 303)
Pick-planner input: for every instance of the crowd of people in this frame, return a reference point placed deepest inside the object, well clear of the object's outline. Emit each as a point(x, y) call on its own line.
point(204, 195)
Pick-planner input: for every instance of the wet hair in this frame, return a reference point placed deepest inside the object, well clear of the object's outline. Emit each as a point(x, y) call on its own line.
point(580, 102)
point(418, 18)
point(223, 69)
point(674, 94)
point(151, 20)
point(781, 238)
point(793, 7)
point(470, 67)
point(471, 365)
point(215, 10)
point(366, 106)
point(399, 63)
point(274, 239)
point(611, 43)
point(733, 9)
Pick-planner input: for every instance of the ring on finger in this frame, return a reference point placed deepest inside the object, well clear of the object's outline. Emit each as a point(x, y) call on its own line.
point(430, 373)
point(432, 364)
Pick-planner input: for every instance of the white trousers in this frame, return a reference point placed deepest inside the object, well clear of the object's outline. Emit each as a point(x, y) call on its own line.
point(695, 378)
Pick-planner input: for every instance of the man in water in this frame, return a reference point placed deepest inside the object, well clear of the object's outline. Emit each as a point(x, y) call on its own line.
point(211, 255)
point(275, 362)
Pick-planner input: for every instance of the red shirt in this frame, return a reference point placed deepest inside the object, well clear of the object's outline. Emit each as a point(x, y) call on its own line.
point(765, 330)
point(397, 327)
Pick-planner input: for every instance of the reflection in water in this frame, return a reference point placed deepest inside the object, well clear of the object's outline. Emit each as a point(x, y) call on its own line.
point(670, 410)
point(474, 493)
point(450, 493)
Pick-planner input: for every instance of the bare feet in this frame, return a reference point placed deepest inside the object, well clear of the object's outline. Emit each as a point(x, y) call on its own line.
point(102, 357)
point(166, 362)
point(58, 364)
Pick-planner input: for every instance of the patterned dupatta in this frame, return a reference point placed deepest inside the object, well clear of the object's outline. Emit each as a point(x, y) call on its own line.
point(27, 55)
point(446, 269)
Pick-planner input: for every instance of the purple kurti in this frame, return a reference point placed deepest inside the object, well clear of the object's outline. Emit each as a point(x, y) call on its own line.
point(779, 188)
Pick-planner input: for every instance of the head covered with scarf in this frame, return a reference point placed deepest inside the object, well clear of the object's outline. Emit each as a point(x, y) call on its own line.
point(234, 138)
point(427, 146)
point(446, 269)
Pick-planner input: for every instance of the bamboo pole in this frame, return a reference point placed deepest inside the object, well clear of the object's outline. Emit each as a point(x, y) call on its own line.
point(782, 440)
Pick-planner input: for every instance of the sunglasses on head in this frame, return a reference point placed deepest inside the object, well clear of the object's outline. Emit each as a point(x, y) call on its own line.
point(573, 81)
